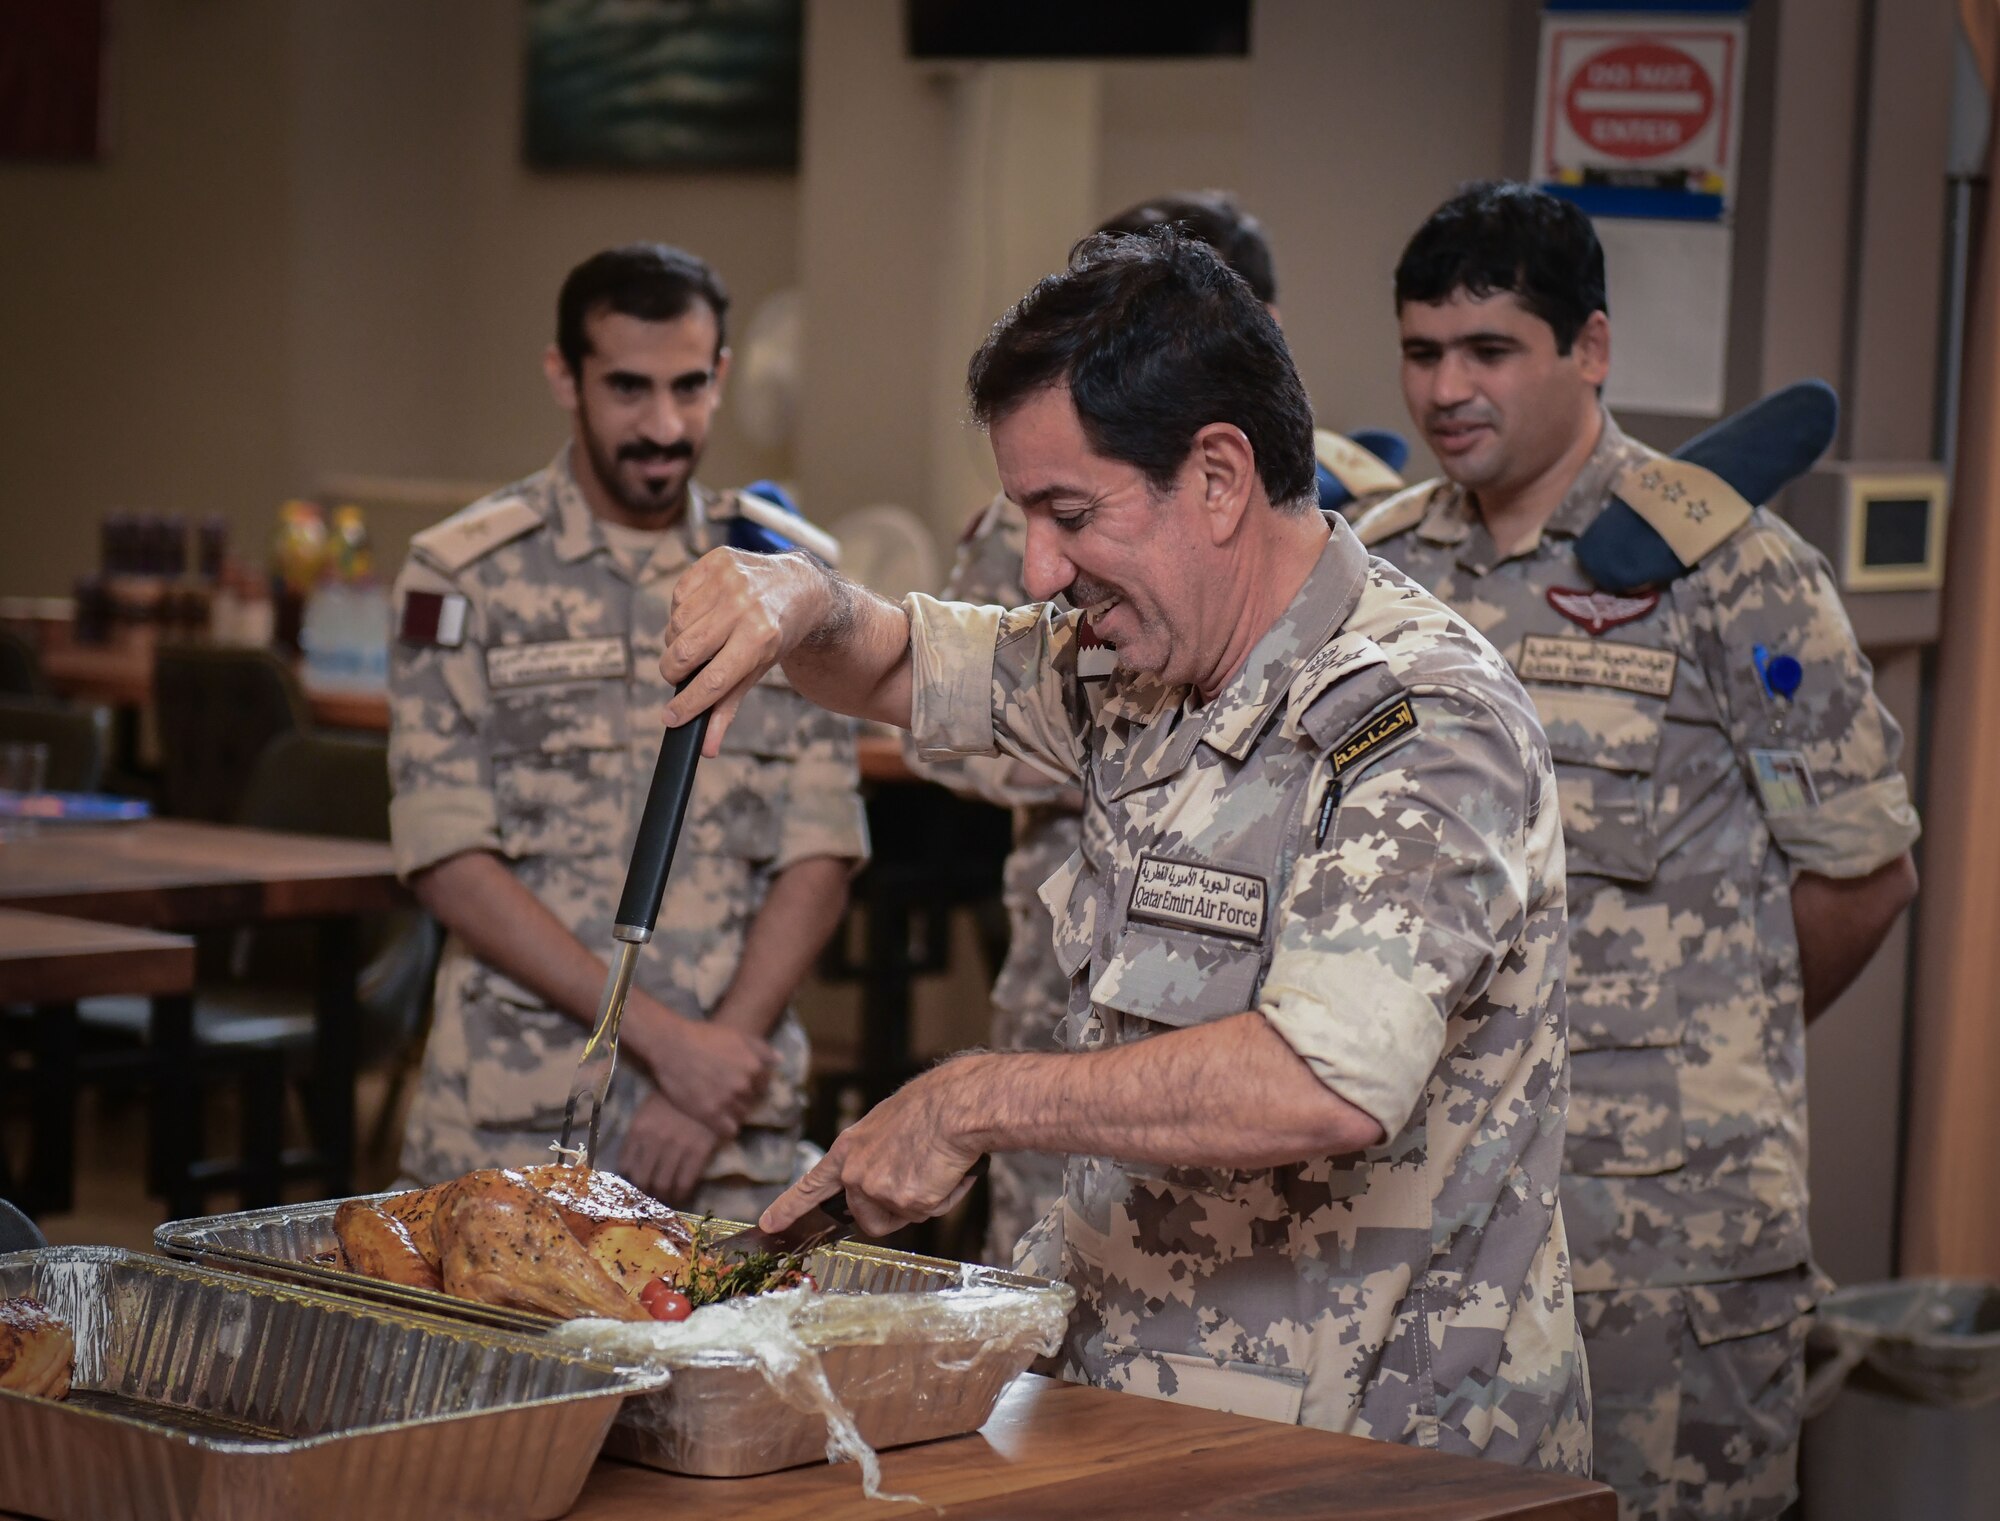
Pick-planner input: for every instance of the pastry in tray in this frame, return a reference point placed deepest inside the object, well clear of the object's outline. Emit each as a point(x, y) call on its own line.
point(37, 1352)
point(554, 1239)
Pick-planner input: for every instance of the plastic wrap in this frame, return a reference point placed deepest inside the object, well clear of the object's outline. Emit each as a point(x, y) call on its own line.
point(932, 1366)
point(899, 1361)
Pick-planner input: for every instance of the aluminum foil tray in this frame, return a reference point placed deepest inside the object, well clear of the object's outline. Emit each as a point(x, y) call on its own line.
point(203, 1396)
point(719, 1417)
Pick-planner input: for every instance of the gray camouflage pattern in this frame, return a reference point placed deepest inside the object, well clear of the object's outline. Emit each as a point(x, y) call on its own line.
point(1417, 1292)
point(1686, 1160)
point(552, 776)
point(1697, 1395)
point(1031, 993)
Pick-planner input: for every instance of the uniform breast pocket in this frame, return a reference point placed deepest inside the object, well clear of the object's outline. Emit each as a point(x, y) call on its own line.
point(1625, 1041)
point(560, 770)
point(1178, 978)
point(1605, 745)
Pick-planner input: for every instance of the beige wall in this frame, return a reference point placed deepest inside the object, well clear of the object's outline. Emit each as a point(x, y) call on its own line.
point(311, 251)
point(144, 332)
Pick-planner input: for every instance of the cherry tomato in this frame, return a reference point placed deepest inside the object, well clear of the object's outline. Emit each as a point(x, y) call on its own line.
point(665, 1302)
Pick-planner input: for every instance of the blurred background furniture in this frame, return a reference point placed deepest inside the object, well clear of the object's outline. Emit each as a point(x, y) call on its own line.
point(47, 964)
point(217, 709)
point(78, 739)
point(192, 877)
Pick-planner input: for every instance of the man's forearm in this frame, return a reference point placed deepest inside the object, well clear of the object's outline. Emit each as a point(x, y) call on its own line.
point(856, 659)
point(1841, 923)
point(799, 914)
point(478, 899)
point(1226, 1094)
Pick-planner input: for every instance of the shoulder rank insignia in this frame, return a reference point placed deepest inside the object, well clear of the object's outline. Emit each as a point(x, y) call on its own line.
point(1402, 511)
point(1667, 514)
point(1362, 472)
point(477, 530)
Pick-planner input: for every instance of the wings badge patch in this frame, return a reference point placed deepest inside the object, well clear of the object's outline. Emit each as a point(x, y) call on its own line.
point(1597, 611)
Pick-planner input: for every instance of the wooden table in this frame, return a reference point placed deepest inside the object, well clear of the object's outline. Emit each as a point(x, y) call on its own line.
point(1056, 1450)
point(120, 675)
point(51, 962)
point(174, 875)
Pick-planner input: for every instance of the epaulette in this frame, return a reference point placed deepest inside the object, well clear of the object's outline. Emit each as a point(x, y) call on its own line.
point(1353, 466)
point(475, 531)
point(1665, 516)
point(1402, 511)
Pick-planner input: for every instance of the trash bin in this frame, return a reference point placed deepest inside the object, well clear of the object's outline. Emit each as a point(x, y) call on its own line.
point(1903, 1403)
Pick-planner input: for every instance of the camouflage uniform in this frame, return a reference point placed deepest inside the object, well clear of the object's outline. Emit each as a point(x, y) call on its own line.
point(1031, 993)
point(1684, 1184)
point(535, 738)
point(1411, 953)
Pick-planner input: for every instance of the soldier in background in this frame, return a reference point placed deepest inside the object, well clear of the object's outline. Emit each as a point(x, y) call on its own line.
point(526, 705)
point(1738, 839)
point(1031, 992)
point(1312, 1086)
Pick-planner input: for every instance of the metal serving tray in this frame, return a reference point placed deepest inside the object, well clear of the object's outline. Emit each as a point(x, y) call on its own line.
point(719, 1418)
point(203, 1396)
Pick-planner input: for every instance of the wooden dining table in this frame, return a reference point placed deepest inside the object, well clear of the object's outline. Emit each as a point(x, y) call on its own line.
point(119, 674)
point(179, 876)
point(1054, 1451)
point(48, 962)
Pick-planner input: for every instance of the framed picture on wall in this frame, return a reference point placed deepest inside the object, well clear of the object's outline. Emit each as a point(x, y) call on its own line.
point(51, 80)
point(663, 84)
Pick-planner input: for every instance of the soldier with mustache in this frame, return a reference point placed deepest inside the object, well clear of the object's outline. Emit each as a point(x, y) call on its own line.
point(525, 698)
point(1311, 1086)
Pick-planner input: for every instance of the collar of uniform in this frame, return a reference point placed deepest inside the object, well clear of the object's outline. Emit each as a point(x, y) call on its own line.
point(577, 534)
point(1574, 513)
point(1232, 720)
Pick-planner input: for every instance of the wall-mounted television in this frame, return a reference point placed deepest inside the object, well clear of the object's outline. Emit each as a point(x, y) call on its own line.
point(998, 29)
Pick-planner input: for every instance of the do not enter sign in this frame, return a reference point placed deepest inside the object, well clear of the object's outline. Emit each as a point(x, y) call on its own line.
point(1648, 101)
point(1639, 100)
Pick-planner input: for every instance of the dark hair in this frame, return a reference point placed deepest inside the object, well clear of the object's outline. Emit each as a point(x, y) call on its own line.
point(1214, 217)
point(1497, 235)
point(650, 281)
point(1155, 338)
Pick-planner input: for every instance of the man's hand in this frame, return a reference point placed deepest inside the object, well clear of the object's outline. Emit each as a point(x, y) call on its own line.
point(665, 1152)
point(902, 1161)
point(741, 614)
point(714, 1074)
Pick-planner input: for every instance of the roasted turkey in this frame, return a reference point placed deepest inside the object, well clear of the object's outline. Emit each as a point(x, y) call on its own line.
point(383, 1246)
point(37, 1351)
point(502, 1242)
point(555, 1238)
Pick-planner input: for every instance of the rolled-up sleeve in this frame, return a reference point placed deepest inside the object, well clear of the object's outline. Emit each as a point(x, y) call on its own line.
point(1848, 811)
point(986, 681)
point(1407, 907)
point(442, 801)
